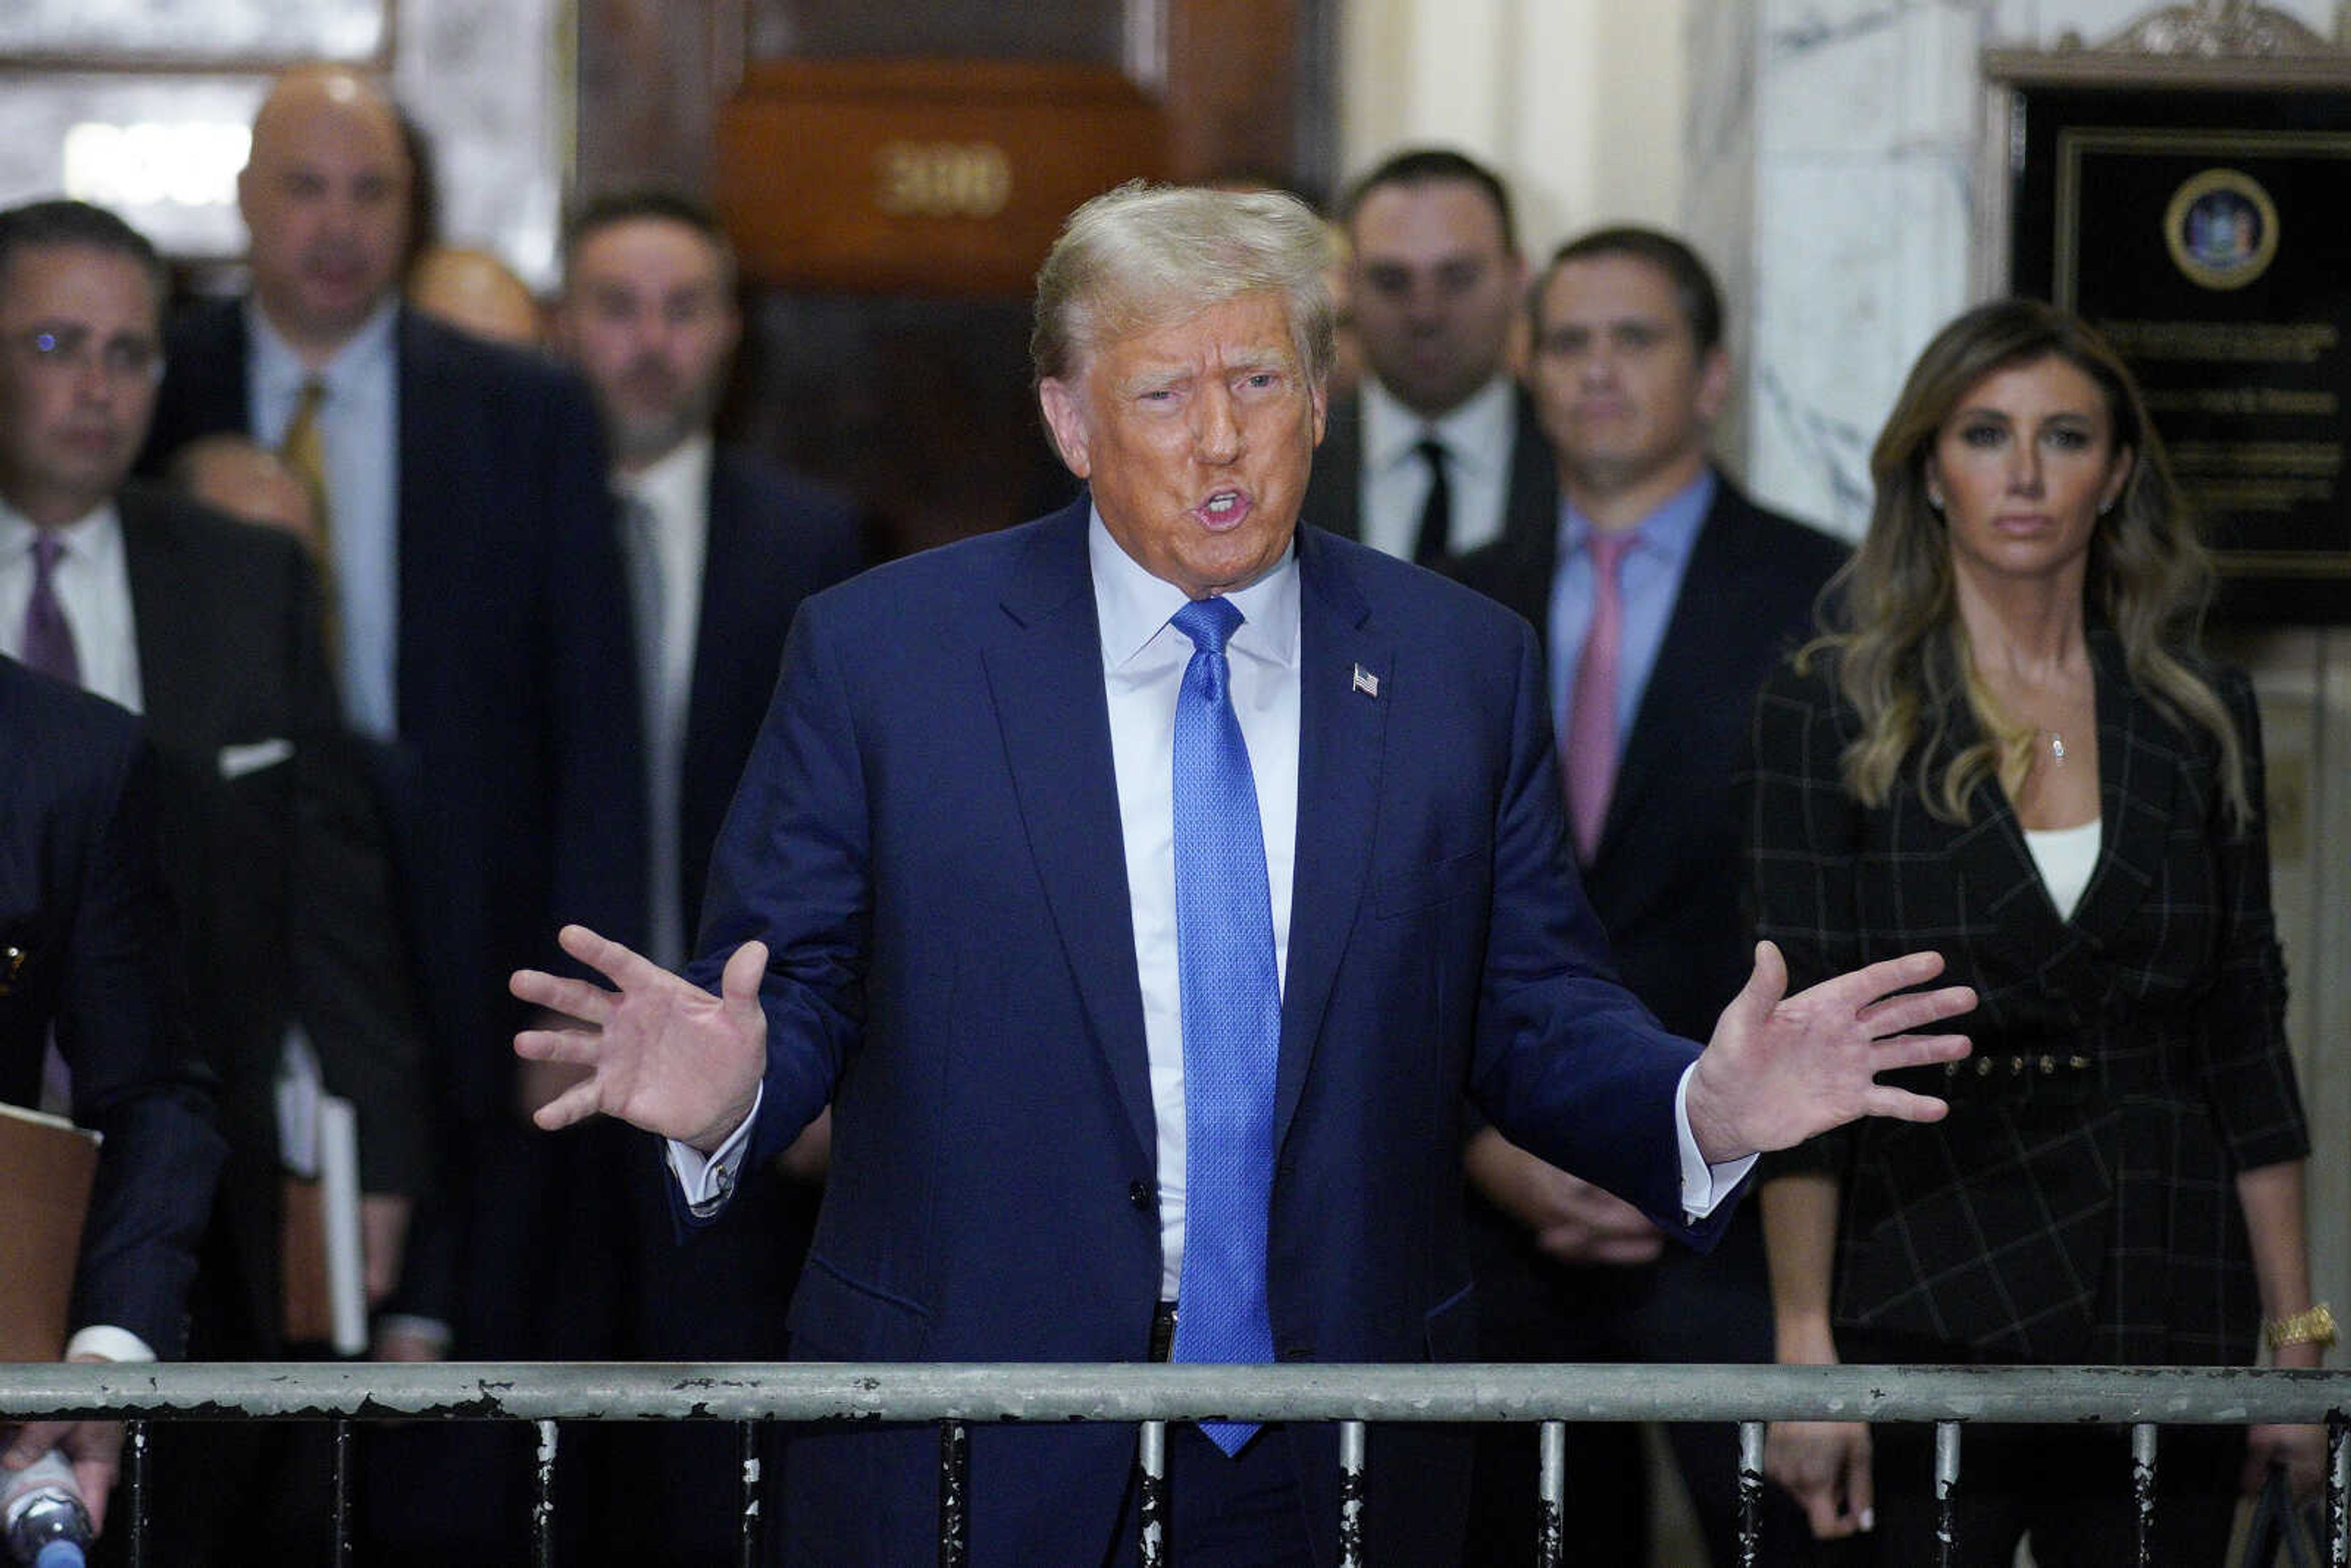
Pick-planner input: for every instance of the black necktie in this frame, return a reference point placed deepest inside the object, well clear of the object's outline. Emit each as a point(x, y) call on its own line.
point(1435, 540)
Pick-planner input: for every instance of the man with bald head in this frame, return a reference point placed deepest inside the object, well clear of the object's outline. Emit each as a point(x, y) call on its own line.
point(481, 639)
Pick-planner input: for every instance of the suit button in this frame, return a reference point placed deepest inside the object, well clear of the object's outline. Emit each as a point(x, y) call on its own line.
point(1138, 1192)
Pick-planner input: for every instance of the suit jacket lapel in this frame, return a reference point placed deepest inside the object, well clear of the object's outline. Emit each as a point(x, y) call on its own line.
point(175, 660)
point(1045, 673)
point(2135, 796)
point(1340, 731)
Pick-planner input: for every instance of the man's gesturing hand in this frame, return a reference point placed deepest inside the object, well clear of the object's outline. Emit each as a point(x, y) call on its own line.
point(661, 1053)
point(1780, 1069)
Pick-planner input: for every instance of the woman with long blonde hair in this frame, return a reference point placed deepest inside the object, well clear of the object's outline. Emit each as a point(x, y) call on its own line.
point(2008, 746)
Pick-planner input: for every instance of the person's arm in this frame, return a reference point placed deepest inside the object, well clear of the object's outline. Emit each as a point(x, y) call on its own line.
point(2248, 1079)
point(120, 1024)
point(1800, 835)
point(1571, 1220)
point(2272, 1198)
point(1825, 1464)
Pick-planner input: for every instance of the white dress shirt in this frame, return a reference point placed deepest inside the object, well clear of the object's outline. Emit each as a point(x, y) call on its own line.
point(92, 587)
point(1143, 671)
point(359, 430)
point(672, 498)
point(1477, 437)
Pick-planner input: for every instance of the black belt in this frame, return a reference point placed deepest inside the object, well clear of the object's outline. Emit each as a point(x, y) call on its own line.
point(1162, 1331)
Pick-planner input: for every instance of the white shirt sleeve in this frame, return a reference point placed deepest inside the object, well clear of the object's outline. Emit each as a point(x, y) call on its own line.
point(708, 1181)
point(108, 1344)
point(1704, 1186)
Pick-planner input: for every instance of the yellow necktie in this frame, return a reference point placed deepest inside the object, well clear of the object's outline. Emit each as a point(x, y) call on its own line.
point(304, 451)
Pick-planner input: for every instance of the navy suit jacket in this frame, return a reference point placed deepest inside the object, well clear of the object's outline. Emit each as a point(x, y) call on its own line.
point(929, 837)
point(512, 791)
point(1665, 879)
point(86, 947)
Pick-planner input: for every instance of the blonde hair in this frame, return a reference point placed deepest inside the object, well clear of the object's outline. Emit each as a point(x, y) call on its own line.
point(1901, 652)
point(1143, 256)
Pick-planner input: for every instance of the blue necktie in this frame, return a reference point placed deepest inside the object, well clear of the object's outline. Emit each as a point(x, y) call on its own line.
point(1232, 1018)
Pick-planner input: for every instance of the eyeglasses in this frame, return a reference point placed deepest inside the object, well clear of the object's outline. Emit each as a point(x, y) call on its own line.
point(64, 350)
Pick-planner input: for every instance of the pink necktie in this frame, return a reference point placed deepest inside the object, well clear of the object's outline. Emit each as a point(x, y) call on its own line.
point(1591, 743)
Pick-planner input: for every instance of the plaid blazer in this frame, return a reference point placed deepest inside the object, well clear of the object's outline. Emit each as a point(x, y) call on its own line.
point(2079, 1204)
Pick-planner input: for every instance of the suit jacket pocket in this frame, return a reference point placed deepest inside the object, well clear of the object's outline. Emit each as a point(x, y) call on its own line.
point(1418, 887)
point(836, 1317)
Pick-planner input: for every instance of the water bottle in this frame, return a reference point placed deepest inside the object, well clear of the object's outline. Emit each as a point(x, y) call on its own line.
point(41, 1514)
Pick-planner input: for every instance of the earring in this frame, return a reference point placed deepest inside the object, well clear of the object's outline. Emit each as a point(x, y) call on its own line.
point(2105, 506)
point(1934, 497)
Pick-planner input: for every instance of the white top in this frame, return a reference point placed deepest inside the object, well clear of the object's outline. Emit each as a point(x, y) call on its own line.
point(93, 589)
point(2065, 857)
point(1476, 437)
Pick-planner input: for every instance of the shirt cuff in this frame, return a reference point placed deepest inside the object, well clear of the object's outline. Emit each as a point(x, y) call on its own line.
point(108, 1344)
point(1704, 1186)
point(708, 1181)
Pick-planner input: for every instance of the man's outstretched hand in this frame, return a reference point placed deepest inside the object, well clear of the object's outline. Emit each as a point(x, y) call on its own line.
point(661, 1053)
point(1780, 1069)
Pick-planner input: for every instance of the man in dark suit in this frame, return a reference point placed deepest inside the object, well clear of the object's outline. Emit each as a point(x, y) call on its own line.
point(1439, 454)
point(87, 961)
point(1136, 969)
point(722, 545)
point(481, 630)
point(1629, 373)
point(272, 848)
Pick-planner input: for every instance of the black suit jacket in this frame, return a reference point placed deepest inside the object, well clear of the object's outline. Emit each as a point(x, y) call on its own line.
point(512, 791)
point(276, 853)
point(1334, 492)
point(86, 947)
point(2059, 1213)
point(774, 540)
point(1664, 878)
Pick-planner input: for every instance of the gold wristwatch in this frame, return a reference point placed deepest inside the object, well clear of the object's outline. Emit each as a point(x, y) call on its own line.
point(2314, 1326)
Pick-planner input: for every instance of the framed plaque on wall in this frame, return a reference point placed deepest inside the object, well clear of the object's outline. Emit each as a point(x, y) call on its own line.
point(2204, 232)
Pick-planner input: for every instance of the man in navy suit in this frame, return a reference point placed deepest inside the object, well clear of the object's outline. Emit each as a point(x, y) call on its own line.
point(272, 850)
point(722, 545)
point(1147, 973)
point(1629, 373)
point(481, 628)
point(87, 959)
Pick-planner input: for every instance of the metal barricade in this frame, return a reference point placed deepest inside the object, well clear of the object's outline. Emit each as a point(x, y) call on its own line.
point(956, 1397)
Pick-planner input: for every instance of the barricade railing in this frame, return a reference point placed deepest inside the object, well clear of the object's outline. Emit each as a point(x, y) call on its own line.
point(956, 1397)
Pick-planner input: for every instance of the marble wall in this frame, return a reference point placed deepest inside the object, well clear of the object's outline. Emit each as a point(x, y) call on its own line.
point(1833, 151)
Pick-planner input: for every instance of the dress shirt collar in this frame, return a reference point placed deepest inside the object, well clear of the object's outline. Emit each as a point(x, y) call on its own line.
point(675, 484)
point(94, 539)
point(1133, 606)
point(1670, 531)
point(1477, 434)
point(279, 372)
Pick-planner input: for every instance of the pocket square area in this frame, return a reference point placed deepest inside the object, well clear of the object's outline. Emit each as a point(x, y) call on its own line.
point(253, 756)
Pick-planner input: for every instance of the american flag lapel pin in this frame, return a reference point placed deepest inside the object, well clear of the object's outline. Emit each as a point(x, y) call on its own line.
point(1366, 682)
